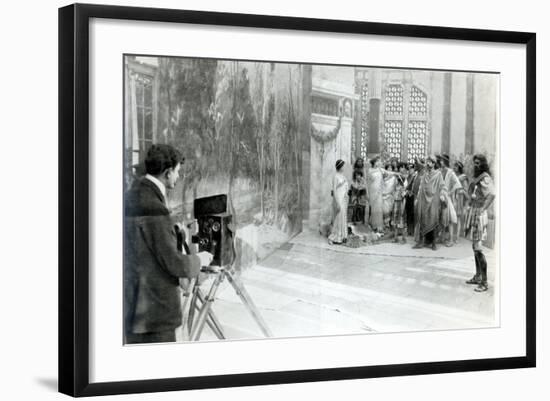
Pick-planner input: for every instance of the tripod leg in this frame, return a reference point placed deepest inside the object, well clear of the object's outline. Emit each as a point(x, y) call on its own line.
point(247, 301)
point(211, 319)
point(205, 309)
point(192, 307)
point(214, 325)
point(186, 297)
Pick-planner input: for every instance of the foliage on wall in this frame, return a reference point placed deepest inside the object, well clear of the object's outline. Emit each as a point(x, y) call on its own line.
point(236, 122)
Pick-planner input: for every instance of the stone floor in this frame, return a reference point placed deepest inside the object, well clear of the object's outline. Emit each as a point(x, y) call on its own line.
point(308, 287)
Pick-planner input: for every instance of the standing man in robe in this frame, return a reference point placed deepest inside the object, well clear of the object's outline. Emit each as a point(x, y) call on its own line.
point(482, 195)
point(461, 199)
point(358, 196)
point(420, 167)
point(431, 195)
point(448, 213)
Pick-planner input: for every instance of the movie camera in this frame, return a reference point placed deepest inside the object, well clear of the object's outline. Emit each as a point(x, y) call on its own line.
point(214, 234)
point(215, 229)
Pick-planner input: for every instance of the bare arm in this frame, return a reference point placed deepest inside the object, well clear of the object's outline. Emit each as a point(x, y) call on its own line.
point(489, 192)
point(488, 202)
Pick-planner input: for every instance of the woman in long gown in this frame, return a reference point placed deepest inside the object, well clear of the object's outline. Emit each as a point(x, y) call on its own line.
point(340, 186)
point(375, 181)
point(388, 196)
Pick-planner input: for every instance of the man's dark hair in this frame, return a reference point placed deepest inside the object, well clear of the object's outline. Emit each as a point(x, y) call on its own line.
point(483, 165)
point(374, 160)
point(460, 167)
point(160, 158)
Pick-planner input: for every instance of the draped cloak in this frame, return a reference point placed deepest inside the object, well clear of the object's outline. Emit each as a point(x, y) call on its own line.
point(339, 228)
point(432, 186)
point(453, 185)
point(375, 179)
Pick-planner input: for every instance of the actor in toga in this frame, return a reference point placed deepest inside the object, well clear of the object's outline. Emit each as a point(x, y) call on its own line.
point(431, 194)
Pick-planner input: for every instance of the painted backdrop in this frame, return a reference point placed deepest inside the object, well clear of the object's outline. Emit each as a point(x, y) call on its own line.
point(236, 124)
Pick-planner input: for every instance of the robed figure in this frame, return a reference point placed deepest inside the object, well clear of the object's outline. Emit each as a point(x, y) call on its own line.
point(340, 187)
point(431, 197)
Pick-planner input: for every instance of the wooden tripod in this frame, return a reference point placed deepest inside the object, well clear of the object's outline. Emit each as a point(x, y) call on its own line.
point(203, 305)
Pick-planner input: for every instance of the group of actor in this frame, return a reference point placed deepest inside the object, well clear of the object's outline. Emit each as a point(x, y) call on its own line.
point(427, 200)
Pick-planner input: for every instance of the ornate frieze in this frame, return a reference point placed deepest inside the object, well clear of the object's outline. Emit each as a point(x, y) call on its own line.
point(324, 106)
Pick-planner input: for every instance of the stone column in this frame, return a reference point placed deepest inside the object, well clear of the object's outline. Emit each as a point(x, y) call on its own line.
point(469, 132)
point(446, 126)
point(375, 89)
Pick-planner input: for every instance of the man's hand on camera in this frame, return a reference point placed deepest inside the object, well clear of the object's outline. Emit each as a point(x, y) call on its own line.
point(202, 277)
point(205, 257)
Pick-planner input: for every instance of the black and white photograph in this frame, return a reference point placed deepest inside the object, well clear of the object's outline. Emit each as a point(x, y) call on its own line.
point(268, 199)
point(271, 201)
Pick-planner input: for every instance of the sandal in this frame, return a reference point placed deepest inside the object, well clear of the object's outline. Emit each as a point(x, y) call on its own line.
point(473, 280)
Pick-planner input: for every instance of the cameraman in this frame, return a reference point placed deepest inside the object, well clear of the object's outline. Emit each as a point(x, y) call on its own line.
point(152, 262)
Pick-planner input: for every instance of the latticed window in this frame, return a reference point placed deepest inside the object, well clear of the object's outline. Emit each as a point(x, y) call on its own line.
point(364, 119)
point(144, 111)
point(393, 123)
point(417, 124)
point(418, 103)
point(394, 99)
point(140, 111)
point(417, 140)
point(393, 132)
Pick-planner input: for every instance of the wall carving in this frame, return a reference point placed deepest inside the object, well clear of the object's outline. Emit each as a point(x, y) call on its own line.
point(324, 106)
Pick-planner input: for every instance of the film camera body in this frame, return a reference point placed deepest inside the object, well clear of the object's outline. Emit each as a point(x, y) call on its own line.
point(214, 232)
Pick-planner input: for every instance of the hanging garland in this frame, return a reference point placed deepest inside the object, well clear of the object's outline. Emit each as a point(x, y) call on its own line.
point(326, 136)
point(323, 137)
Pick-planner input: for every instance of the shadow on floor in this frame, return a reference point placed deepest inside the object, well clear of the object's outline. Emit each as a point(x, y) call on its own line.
point(48, 382)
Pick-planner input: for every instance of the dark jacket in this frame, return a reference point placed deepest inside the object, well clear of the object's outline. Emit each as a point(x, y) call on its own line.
point(152, 263)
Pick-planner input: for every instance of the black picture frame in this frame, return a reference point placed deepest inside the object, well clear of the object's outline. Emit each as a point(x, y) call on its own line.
point(74, 194)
